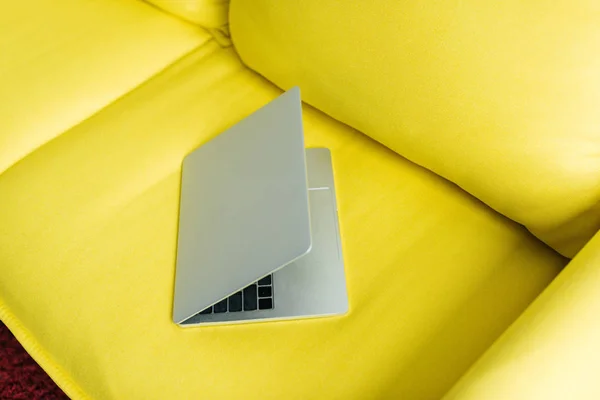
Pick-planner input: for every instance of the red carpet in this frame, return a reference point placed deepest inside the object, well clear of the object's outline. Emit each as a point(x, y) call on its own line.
point(20, 377)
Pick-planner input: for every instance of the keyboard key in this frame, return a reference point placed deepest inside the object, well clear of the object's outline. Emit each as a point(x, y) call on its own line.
point(206, 311)
point(221, 306)
point(265, 291)
point(265, 304)
point(265, 281)
point(235, 302)
point(250, 298)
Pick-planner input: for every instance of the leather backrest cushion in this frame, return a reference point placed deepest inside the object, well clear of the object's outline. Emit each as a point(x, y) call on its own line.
point(502, 98)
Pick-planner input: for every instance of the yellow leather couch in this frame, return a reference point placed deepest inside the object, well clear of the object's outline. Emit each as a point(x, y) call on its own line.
point(465, 140)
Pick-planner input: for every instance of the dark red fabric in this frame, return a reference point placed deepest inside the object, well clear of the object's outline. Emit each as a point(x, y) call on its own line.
point(20, 377)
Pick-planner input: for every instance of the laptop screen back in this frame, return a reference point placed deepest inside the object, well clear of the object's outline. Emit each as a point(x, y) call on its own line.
point(244, 206)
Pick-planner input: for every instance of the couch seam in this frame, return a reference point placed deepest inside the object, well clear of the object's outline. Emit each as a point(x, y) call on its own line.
point(62, 378)
point(220, 34)
point(110, 103)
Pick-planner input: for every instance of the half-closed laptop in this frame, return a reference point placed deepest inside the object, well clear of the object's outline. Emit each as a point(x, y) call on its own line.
point(258, 226)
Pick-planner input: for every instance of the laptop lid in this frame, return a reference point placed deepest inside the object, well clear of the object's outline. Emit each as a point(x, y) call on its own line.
point(244, 206)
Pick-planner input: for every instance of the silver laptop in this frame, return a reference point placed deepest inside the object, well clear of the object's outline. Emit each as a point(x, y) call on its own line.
point(258, 226)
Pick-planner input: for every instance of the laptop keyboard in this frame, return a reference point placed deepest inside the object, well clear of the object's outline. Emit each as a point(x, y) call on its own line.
point(257, 296)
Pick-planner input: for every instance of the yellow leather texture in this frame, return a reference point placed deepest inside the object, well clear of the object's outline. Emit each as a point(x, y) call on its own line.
point(206, 13)
point(87, 256)
point(500, 98)
point(63, 60)
point(552, 352)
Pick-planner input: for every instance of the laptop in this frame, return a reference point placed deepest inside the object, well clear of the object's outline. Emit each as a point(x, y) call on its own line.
point(258, 233)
